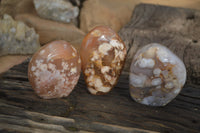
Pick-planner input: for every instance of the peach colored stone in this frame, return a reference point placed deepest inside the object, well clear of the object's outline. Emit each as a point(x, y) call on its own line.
point(54, 70)
point(103, 55)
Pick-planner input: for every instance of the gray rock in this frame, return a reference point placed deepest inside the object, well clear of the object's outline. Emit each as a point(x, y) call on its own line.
point(58, 10)
point(16, 37)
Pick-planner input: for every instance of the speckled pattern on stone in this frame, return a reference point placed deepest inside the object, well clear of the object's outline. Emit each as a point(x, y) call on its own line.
point(156, 75)
point(103, 55)
point(54, 70)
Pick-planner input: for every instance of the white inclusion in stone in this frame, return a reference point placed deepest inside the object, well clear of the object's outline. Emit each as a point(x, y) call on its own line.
point(148, 100)
point(95, 56)
point(99, 85)
point(137, 80)
point(156, 81)
point(117, 44)
point(73, 70)
point(104, 48)
point(52, 66)
point(42, 52)
point(169, 85)
point(38, 62)
point(97, 82)
point(88, 71)
point(108, 77)
point(105, 69)
point(43, 77)
point(37, 73)
point(90, 80)
point(79, 60)
point(43, 67)
point(65, 65)
point(119, 54)
point(146, 63)
point(163, 54)
point(74, 49)
point(73, 54)
point(103, 38)
point(33, 68)
point(91, 71)
point(156, 72)
point(176, 91)
point(93, 91)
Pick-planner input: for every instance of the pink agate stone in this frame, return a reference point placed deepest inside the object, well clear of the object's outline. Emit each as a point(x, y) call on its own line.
point(156, 75)
point(103, 55)
point(54, 70)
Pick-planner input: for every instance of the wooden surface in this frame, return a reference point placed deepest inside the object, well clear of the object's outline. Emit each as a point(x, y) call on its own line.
point(22, 111)
point(82, 111)
point(192, 4)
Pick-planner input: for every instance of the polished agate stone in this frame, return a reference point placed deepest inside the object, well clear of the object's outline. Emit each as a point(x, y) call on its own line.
point(103, 55)
point(156, 75)
point(54, 70)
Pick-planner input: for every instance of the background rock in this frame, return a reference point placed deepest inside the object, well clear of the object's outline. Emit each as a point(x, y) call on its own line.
point(106, 12)
point(17, 38)
point(58, 10)
point(14, 7)
point(50, 30)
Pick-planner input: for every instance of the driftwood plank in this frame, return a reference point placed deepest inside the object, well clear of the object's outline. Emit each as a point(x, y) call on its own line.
point(115, 112)
point(176, 28)
point(22, 111)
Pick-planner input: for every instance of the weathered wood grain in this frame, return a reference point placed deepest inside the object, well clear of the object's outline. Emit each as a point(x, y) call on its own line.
point(21, 109)
point(176, 28)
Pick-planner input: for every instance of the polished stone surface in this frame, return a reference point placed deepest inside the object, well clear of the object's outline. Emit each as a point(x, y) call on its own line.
point(54, 70)
point(156, 75)
point(103, 55)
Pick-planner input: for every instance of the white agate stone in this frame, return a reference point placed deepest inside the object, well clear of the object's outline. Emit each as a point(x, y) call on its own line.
point(156, 75)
